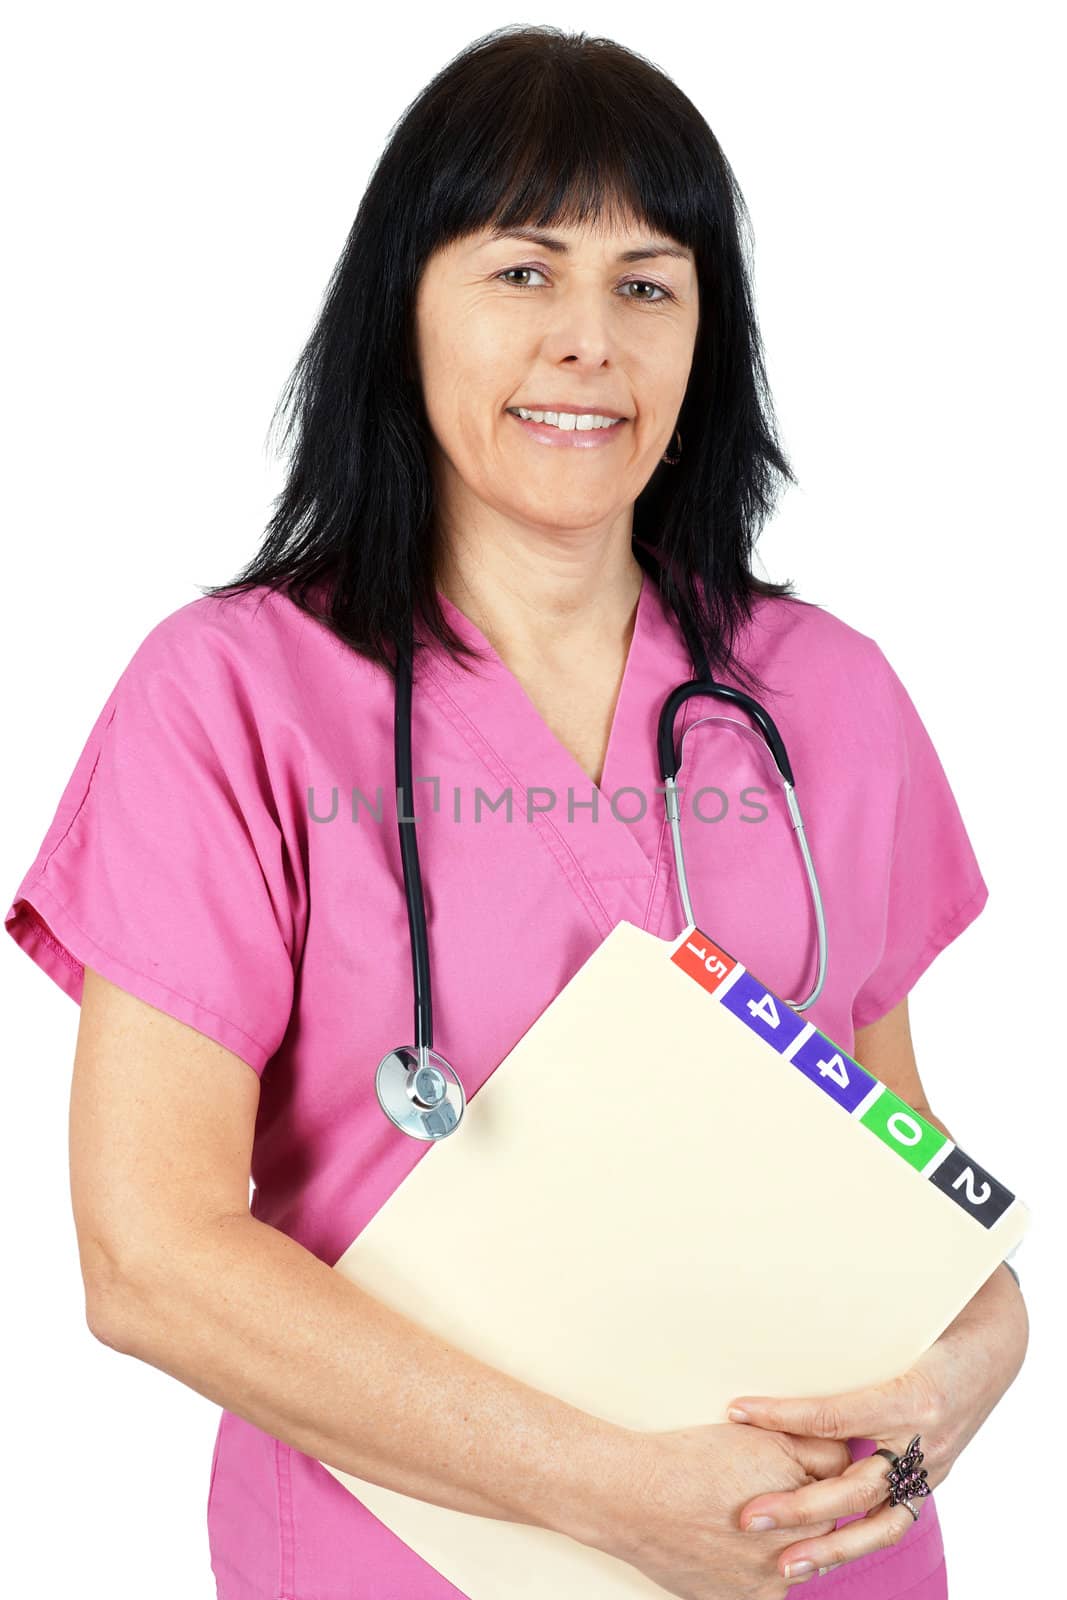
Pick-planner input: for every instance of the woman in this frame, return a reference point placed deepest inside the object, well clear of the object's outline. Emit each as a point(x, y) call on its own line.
point(220, 887)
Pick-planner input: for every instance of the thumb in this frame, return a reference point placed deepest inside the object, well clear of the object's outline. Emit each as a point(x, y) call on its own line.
point(820, 1458)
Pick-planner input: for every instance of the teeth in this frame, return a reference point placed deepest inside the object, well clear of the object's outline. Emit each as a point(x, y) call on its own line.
point(567, 420)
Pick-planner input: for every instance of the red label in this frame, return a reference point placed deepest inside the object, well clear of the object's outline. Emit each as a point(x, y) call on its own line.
point(703, 960)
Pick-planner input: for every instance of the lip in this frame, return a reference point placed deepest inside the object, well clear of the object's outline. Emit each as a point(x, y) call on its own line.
point(569, 439)
point(575, 411)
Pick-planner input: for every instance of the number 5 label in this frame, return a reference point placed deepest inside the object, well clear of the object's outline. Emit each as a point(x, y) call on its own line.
point(704, 961)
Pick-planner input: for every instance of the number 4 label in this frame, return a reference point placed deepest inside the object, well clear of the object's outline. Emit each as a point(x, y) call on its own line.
point(831, 1070)
point(765, 1009)
point(763, 1012)
point(834, 1068)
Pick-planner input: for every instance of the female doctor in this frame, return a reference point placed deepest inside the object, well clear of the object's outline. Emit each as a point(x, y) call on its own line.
point(532, 429)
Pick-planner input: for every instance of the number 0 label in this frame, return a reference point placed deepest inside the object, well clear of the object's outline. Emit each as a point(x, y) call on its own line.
point(902, 1129)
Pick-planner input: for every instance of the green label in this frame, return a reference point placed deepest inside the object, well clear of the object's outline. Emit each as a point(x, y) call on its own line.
point(898, 1126)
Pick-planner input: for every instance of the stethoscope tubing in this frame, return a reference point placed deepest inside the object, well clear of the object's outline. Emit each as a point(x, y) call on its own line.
point(409, 855)
point(670, 760)
point(424, 1097)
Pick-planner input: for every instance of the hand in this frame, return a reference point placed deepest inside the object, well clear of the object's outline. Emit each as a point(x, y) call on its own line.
point(944, 1398)
point(677, 1521)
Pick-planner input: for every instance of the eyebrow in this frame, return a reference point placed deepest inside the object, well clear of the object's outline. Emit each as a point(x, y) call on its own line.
point(645, 252)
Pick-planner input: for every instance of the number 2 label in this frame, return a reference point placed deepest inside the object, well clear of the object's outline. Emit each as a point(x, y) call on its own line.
point(972, 1188)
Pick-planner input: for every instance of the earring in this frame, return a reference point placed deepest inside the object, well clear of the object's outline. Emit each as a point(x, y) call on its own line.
point(673, 460)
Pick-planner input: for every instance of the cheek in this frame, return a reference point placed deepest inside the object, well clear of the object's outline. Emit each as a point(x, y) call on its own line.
point(465, 430)
point(472, 346)
point(663, 363)
point(470, 370)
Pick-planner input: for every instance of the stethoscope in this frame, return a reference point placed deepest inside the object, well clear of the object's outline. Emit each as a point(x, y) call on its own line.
point(416, 1087)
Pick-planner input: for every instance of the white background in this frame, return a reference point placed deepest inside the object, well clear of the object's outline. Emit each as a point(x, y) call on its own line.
point(178, 184)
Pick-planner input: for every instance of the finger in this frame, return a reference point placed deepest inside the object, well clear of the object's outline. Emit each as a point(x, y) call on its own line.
point(856, 1414)
point(876, 1531)
point(857, 1490)
point(820, 1458)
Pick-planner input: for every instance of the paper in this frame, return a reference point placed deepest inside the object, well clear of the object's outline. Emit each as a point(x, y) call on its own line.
point(708, 1201)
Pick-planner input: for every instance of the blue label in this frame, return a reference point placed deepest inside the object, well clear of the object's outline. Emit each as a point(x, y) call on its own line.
point(835, 1073)
point(763, 1012)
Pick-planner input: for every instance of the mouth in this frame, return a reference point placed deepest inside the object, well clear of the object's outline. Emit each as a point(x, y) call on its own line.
point(568, 434)
point(569, 430)
point(569, 419)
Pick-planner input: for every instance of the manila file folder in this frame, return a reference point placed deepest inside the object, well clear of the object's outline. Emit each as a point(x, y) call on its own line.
point(674, 1189)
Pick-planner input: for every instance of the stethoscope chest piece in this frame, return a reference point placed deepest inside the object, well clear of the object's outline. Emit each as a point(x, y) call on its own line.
point(424, 1101)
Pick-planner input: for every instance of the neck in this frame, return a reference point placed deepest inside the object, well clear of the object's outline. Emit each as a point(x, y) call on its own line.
point(545, 603)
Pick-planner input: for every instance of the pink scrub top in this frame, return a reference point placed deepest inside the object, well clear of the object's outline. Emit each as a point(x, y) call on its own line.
point(216, 853)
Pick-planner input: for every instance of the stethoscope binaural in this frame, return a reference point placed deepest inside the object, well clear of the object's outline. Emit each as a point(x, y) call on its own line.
point(417, 1089)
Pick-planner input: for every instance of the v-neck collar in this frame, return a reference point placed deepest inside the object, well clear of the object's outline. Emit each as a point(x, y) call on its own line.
point(621, 861)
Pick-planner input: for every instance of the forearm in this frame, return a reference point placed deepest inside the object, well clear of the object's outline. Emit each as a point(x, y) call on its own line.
point(249, 1318)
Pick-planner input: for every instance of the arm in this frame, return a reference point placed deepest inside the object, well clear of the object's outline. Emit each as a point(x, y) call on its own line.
point(178, 1274)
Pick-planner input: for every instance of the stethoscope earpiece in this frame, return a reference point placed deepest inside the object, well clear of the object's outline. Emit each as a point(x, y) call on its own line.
point(426, 1101)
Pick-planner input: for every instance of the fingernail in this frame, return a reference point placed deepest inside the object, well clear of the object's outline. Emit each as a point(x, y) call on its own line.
point(796, 1569)
point(737, 1416)
point(760, 1524)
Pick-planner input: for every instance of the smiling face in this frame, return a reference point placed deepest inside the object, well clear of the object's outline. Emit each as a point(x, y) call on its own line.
point(591, 323)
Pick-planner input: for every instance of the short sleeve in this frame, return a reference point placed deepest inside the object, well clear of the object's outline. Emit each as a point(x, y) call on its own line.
point(932, 887)
point(165, 867)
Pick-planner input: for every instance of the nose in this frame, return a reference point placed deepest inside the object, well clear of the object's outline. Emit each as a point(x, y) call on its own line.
point(580, 329)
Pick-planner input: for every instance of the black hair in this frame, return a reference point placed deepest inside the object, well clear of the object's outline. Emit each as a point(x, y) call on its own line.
point(527, 126)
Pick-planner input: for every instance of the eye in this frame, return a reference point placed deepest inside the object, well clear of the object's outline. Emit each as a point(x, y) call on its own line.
point(640, 283)
point(645, 283)
point(520, 269)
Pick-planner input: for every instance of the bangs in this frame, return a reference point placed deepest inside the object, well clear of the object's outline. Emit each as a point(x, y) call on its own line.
point(528, 128)
point(576, 140)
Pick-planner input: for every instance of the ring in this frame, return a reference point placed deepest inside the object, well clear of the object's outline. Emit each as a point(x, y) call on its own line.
point(906, 1476)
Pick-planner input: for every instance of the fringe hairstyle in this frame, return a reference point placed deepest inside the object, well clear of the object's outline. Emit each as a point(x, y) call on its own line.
point(527, 126)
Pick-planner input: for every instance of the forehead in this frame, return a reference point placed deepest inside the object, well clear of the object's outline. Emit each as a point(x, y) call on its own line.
point(624, 238)
point(625, 241)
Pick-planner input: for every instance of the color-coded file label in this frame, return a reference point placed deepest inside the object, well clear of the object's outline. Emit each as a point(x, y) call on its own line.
point(704, 961)
point(763, 1012)
point(964, 1181)
point(843, 1080)
point(898, 1126)
point(835, 1073)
